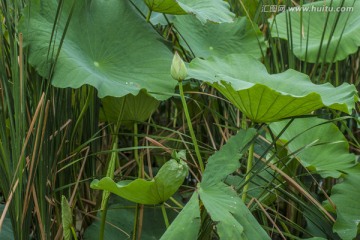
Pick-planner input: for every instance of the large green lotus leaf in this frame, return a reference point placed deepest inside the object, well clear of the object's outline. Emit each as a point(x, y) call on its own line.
point(227, 158)
point(108, 45)
point(259, 184)
point(346, 197)
point(234, 220)
point(212, 10)
point(318, 224)
point(307, 31)
point(316, 238)
point(165, 6)
point(120, 221)
point(156, 17)
point(169, 178)
point(139, 190)
point(128, 108)
point(219, 40)
point(265, 97)
point(187, 224)
point(320, 145)
point(249, 8)
point(6, 230)
point(66, 218)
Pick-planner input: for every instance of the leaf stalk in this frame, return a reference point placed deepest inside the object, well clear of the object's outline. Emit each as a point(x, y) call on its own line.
point(191, 130)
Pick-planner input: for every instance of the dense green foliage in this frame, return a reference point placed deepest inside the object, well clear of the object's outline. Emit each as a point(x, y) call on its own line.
point(159, 119)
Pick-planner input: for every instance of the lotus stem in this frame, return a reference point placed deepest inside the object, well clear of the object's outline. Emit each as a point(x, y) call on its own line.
point(73, 233)
point(166, 219)
point(139, 208)
point(136, 150)
point(191, 130)
point(103, 220)
point(148, 16)
point(106, 194)
point(135, 222)
point(248, 171)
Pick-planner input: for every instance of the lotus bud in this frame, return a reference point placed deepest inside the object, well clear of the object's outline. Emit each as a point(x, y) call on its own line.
point(178, 69)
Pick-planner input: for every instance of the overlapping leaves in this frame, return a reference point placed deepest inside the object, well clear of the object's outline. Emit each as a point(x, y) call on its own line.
point(319, 145)
point(212, 10)
point(219, 40)
point(234, 220)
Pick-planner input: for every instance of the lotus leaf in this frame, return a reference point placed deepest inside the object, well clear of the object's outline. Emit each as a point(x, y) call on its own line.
point(213, 39)
point(227, 159)
point(265, 97)
point(234, 220)
point(187, 223)
point(340, 30)
point(319, 144)
point(66, 218)
point(6, 230)
point(128, 108)
point(169, 178)
point(345, 196)
point(212, 10)
point(121, 213)
point(122, 58)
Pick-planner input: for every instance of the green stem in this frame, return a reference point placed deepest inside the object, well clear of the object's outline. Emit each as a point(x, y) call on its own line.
point(188, 120)
point(135, 222)
point(148, 16)
point(166, 219)
point(73, 233)
point(109, 173)
point(103, 220)
point(82, 113)
point(138, 221)
point(176, 202)
point(136, 150)
point(248, 171)
point(243, 121)
point(175, 117)
point(337, 74)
